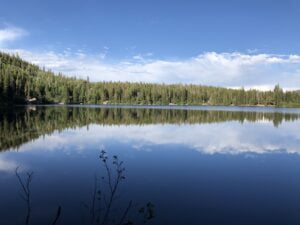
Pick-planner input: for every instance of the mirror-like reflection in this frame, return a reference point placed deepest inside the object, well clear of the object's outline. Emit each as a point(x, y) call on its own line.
point(196, 166)
point(18, 126)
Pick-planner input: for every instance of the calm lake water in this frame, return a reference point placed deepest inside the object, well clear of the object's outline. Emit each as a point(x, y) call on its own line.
point(196, 165)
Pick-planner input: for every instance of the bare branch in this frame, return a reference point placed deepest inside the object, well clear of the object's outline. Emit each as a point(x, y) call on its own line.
point(26, 195)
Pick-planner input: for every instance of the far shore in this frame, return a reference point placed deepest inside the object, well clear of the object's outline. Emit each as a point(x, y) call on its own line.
point(254, 108)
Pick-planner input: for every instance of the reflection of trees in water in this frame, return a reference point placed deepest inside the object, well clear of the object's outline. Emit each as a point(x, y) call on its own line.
point(104, 207)
point(21, 125)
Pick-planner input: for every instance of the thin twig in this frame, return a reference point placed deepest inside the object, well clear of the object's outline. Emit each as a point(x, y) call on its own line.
point(125, 213)
point(57, 215)
point(26, 192)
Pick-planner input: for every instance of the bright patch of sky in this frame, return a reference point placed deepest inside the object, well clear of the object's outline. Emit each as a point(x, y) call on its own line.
point(231, 43)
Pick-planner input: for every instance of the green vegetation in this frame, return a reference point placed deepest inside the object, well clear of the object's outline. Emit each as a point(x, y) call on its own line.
point(20, 125)
point(22, 82)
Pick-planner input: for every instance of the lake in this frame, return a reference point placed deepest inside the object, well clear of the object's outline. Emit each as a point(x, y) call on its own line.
point(181, 165)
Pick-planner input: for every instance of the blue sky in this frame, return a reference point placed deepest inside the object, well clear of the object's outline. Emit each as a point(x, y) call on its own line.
point(116, 40)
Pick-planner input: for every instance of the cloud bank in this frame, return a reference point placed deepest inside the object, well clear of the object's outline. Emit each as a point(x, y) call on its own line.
point(229, 69)
point(10, 34)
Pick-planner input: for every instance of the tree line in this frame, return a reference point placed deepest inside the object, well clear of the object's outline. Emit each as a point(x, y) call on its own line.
point(22, 82)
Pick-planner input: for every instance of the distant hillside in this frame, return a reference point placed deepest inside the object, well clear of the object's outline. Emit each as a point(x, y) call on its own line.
point(22, 83)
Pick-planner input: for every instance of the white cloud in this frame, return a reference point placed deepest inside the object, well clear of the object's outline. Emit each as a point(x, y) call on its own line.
point(10, 34)
point(261, 71)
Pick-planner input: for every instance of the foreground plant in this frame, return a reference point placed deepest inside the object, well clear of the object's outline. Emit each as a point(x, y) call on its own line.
point(102, 207)
point(25, 194)
point(102, 204)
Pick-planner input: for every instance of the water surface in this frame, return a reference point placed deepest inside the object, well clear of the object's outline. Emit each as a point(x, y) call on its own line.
point(196, 165)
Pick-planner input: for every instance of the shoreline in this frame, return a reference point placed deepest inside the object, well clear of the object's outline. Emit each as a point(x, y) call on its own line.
point(242, 108)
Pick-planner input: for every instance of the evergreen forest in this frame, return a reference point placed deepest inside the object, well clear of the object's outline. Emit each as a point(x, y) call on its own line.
point(22, 82)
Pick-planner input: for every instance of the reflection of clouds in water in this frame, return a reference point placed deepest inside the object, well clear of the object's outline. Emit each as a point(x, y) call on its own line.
point(230, 137)
point(66, 141)
point(7, 165)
